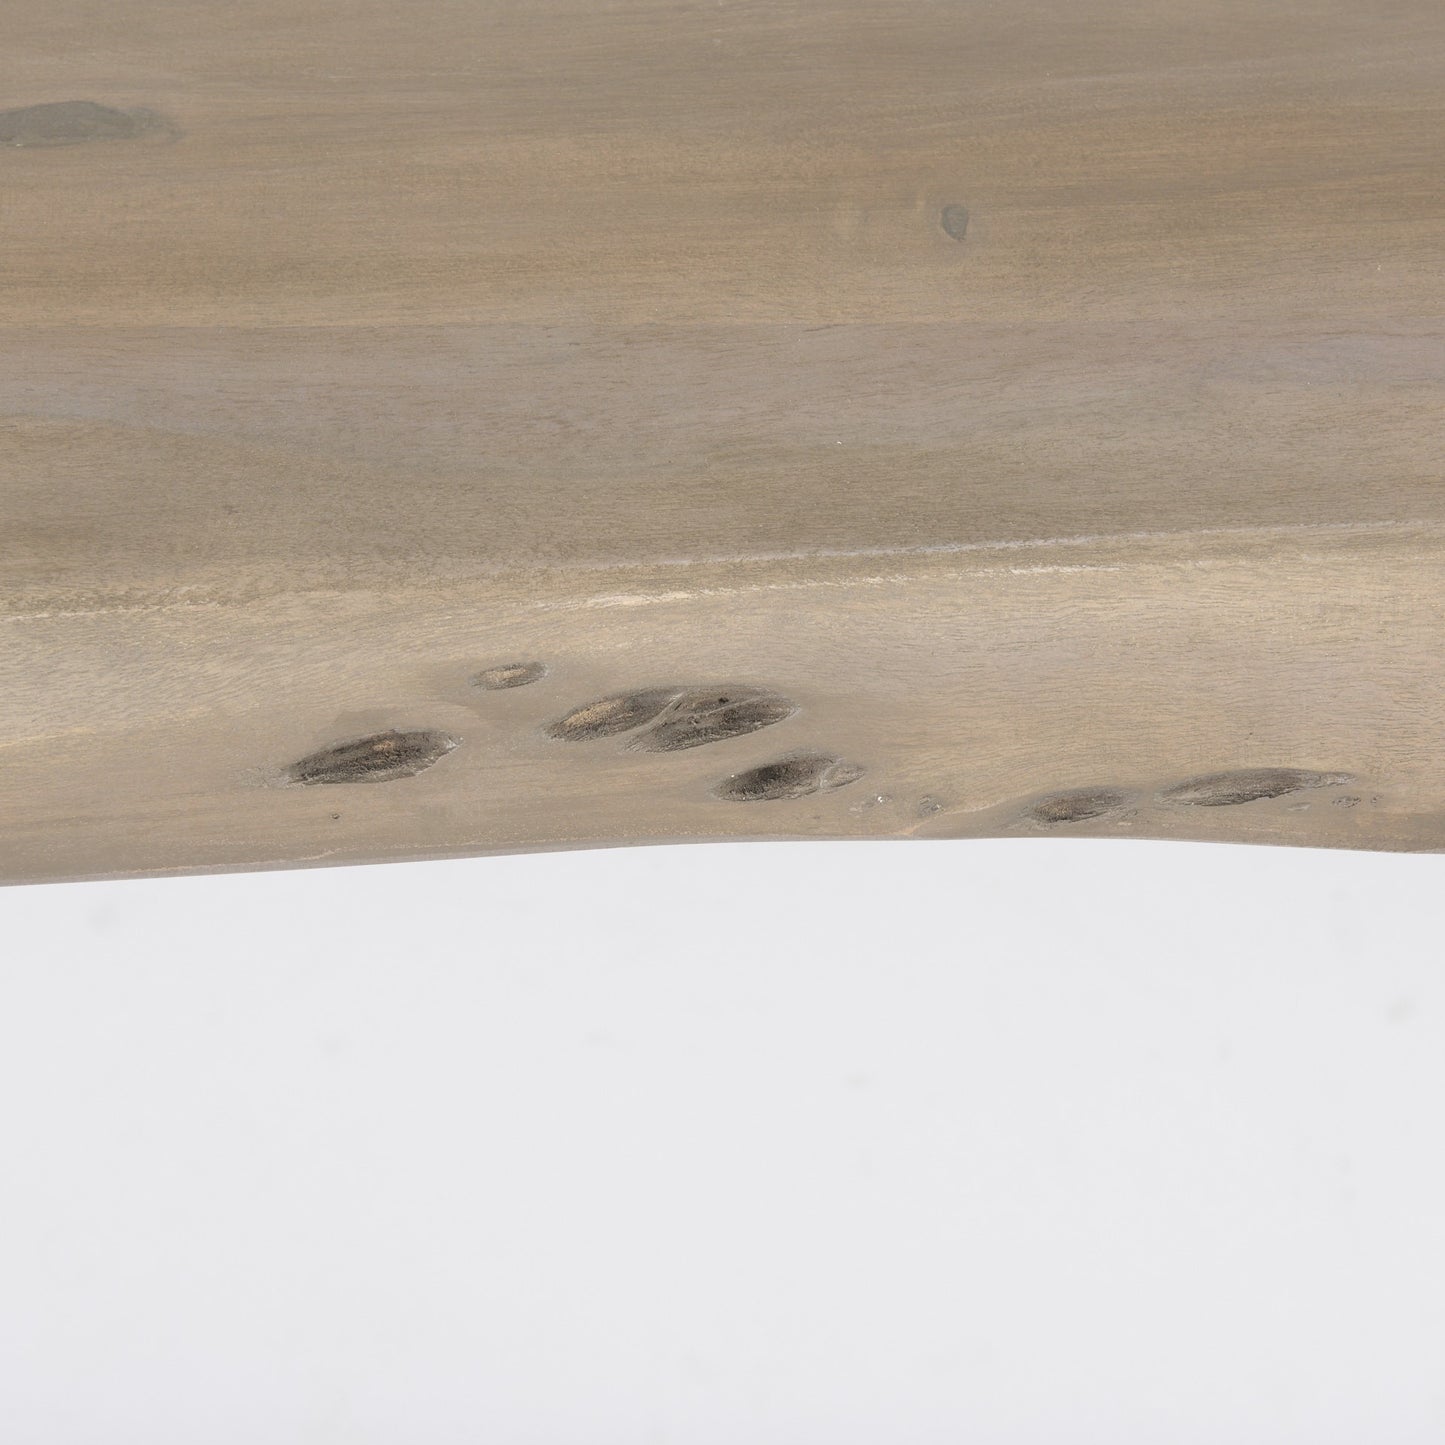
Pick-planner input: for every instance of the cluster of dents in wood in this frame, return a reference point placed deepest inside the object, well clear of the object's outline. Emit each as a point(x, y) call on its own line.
point(676, 718)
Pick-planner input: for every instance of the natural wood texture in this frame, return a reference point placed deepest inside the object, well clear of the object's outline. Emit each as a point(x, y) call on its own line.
point(1018, 413)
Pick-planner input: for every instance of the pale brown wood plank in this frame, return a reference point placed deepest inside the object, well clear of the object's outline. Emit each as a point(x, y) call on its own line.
point(1039, 399)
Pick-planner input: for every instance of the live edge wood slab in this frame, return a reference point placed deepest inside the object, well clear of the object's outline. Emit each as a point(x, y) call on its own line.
point(461, 426)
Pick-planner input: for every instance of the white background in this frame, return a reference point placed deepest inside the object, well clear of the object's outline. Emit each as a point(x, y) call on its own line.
point(730, 1145)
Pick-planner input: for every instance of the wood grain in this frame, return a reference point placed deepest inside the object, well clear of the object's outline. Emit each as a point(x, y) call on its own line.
point(1030, 410)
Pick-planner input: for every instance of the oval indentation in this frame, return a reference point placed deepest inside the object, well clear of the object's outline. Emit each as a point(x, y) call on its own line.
point(1078, 805)
point(75, 122)
point(1248, 785)
point(379, 758)
point(797, 776)
point(954, 220)
point(712, 715)
point(510, 674)
point(609, 716)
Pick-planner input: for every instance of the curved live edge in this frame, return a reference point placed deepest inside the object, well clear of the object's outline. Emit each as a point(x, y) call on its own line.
point(469, 428)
